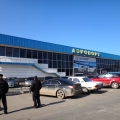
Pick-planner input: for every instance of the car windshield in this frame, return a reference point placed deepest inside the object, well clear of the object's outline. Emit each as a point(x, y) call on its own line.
point(86, 79)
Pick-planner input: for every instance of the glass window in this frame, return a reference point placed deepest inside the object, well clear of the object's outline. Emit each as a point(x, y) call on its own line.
point(46, 82)
point(63, 57)
point(86, 79)
point(55, 82)
point(70, 57)
point(71, 65)
point(101, 76)
point(9, 51)
point(63, 64)
point(59, 56)
point(40, 55)
point(34, 54)
point(29, 54)
point(67, 64)
point(40, 61)
point(59, 64)
point(54, 56)
point(23, 53)
point(50, 56)
point(70, 79)
point(45, 61)
point(76, 80)
point(59, 70)
point(71, 72)
point(16, 52)
point(45, 55)
point(67, 72)
point(67, 57)
point(108, 75)
point(2, 51)
point(50, 64)
point(54, 64)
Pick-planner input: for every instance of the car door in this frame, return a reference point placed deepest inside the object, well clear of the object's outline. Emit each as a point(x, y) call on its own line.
point(100, 78)
point(53, 87)
point(44, 89)
point(107, 79)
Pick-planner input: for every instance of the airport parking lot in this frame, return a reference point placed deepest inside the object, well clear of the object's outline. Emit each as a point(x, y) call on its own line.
point(102, 105)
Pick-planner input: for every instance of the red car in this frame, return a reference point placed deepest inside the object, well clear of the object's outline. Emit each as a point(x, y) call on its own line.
point(110, 79)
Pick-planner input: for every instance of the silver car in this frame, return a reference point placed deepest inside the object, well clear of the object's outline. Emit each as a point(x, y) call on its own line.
point(28, 81)
point(60, 88)
point(12, 81)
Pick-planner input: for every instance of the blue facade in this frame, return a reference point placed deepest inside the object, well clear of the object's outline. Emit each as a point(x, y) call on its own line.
point(39, 45)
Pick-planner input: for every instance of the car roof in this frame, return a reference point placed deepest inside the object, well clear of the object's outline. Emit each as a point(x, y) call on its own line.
point(78, 77)
point(62, 80)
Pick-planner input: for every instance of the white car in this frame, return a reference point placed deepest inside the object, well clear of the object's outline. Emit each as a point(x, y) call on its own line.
point(86, 84)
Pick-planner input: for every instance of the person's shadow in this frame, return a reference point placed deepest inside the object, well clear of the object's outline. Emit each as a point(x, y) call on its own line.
point(31, 107)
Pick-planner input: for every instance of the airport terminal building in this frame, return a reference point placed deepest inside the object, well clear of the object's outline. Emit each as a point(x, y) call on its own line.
point(22, 58)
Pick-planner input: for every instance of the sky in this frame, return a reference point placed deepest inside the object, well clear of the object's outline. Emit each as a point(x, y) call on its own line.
point(86, 24)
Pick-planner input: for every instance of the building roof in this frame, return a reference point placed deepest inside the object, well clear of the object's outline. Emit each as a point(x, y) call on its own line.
point(39, 45)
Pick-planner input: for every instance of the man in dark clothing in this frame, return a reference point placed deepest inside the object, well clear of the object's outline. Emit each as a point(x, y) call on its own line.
point(35, 88)
point(3, 90)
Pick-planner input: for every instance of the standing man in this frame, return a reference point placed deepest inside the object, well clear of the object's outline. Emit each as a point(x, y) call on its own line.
point(3, 90)
point(35, 88)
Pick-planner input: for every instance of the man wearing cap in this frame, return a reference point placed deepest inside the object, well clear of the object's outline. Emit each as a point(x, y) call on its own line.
point(3, 90)
point(35, 88)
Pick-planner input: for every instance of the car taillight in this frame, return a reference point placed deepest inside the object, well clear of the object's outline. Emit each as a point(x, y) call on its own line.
point(73, 86)
point(96, 86)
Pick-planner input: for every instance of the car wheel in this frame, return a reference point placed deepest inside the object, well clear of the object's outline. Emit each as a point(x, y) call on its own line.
point(115, 85)
point(60, 94)
point(85, 90)
point(92, 91)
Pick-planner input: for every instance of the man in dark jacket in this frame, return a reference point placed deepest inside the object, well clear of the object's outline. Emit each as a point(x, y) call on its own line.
point(35, 88)
point(3, 90)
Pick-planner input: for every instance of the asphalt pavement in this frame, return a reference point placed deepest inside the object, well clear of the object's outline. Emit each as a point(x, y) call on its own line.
point(102, 105)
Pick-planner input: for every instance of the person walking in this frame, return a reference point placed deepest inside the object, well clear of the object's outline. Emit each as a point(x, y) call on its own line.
point(3, 90)
point(35, 88)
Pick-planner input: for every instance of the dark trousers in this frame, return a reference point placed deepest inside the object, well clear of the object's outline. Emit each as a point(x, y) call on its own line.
point(36, 100)
point(4, 102)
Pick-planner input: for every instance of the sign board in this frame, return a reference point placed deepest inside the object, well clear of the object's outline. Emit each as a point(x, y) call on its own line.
point(84, 65)
point(85, 52)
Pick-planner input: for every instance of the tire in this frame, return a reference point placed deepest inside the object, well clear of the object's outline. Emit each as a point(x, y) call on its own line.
point(92, 91)
point(60, 94)
point(85, 90)
point(115, 85)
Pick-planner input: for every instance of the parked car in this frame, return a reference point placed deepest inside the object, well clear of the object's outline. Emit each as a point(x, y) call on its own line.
point(60, 88)
point(12, 81)
point(28, 81)
point(87, 84)
point(109, 79)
